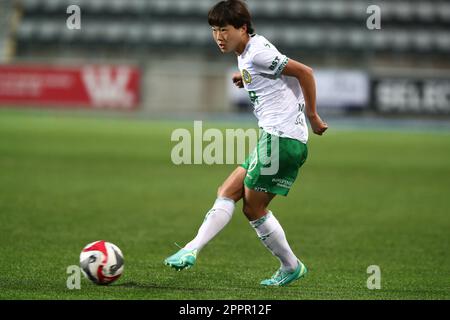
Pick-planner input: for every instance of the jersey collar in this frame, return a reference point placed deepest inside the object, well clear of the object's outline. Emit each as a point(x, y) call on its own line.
point(247, 46)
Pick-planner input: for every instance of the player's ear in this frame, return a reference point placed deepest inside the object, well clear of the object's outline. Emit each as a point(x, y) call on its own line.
point(244, 29)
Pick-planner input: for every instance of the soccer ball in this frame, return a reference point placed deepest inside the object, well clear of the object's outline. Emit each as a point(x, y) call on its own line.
point(101, 262)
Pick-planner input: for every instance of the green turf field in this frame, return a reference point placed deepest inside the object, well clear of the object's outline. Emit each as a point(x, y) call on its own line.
point(363, 198)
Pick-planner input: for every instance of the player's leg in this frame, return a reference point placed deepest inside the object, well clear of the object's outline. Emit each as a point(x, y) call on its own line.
point(215, 220)
point(256, 203)
point(220, 214)
point(267, 227)
point(233, 186)
point(273, 168)
point(272, 236)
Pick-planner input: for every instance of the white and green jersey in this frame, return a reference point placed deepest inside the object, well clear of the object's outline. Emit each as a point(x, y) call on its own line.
point(277, 99)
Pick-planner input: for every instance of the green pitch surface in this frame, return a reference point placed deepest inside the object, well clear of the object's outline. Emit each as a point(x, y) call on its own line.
point(363, 198)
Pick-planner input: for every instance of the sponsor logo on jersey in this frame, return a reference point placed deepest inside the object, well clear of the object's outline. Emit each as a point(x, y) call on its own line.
point(282, 183)
point(274, 63)
point(246, 76)
point(281, 67)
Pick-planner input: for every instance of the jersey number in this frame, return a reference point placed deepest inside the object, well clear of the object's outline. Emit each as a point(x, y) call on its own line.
point(253, 97)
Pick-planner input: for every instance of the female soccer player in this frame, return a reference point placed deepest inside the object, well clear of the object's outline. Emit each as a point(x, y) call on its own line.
point(282, 91)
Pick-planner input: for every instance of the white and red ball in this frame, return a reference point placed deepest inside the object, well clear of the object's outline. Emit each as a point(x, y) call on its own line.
point(102, 262)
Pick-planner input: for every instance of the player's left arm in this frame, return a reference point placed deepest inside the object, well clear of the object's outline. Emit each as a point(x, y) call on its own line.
point(305, 76)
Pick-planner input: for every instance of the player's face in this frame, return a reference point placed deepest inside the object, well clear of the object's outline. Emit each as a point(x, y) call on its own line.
point(227, 38)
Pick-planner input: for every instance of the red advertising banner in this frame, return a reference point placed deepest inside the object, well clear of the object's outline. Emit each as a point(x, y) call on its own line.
point(89, 86)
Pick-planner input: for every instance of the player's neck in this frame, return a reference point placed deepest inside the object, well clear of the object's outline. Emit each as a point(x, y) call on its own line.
point(241, 47)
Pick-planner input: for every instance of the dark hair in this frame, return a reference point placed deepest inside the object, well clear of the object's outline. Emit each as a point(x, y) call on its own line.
point(231, 12)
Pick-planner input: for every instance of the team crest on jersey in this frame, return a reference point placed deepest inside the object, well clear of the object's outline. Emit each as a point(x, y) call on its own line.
point(246, 76)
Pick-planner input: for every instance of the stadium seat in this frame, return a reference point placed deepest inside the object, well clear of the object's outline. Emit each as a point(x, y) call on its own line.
point(300, 25)
point(442, 41)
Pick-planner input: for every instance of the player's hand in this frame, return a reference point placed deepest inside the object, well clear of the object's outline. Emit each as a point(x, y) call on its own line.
point(317, 125)
point(237, 80)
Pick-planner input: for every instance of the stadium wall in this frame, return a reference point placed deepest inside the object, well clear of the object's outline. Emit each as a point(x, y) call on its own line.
point(180, 85)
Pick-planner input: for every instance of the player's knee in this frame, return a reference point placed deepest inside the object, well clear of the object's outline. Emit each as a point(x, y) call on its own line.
point(249, 210)
point(224, 191)
point(253, 211)
point(246, 209)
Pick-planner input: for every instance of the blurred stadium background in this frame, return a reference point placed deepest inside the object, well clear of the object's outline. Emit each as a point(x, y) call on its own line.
point(401, 69)
point(76, 166)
